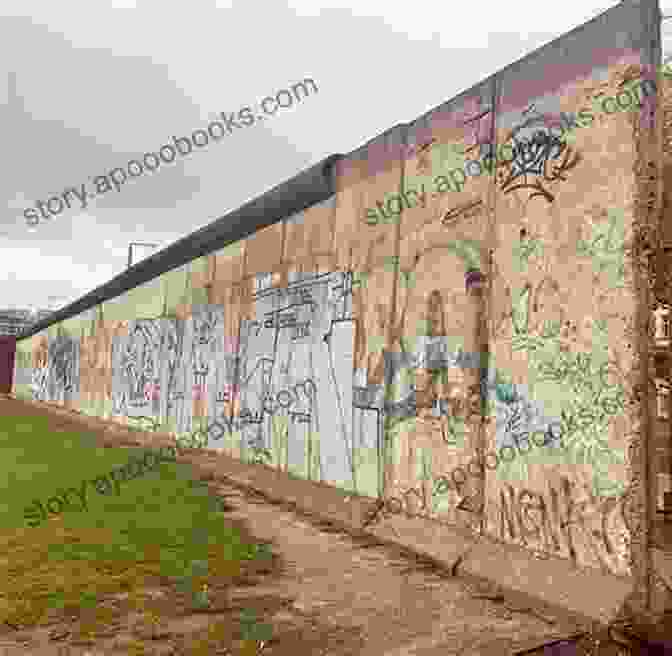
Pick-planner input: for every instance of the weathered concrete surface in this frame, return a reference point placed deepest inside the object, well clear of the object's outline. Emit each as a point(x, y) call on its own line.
point(590, 594)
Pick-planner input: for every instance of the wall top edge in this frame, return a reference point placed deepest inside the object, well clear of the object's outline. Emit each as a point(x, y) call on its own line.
point(309, 187)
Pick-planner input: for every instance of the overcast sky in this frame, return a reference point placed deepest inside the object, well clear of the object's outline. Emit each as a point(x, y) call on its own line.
point(101, 82)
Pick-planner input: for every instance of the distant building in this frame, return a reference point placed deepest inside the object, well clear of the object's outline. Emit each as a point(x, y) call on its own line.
point(14, 321)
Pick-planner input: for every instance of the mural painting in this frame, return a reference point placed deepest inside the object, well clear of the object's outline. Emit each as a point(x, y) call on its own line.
point(295, 377)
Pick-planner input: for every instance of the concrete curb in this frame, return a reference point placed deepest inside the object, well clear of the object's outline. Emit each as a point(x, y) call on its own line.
point(587, 596)
point(552, 584)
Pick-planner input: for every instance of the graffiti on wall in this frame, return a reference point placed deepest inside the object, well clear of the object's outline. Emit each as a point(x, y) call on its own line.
point(55, 375)
point(539, 157)
point(593, 384)
point(305, 385)
point(295, 375)
point(148, 372)
point(564, 520)
point(40, 372)
point(135, 361)
point(291, 370)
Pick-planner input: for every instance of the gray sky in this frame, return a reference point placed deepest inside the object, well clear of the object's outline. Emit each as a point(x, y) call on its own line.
point(101, 82)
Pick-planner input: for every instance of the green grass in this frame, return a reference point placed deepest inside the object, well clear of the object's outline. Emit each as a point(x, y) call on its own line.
point(161, 523)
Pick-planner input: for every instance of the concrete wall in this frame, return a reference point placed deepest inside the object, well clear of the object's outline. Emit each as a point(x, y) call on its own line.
point(379, 351)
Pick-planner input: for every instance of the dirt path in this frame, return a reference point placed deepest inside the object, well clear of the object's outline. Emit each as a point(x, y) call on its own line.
point(388, 604)
point(329, 593)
